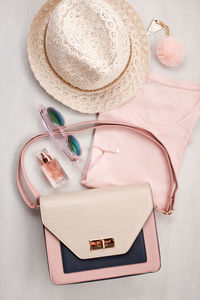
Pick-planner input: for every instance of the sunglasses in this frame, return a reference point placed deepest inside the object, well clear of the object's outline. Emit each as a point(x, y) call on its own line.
point(54, 121)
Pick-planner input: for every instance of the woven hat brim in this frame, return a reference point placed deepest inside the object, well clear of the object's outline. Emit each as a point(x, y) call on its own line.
point(91, 101)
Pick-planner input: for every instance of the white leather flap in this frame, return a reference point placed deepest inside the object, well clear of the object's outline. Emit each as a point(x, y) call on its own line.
point(80, 218)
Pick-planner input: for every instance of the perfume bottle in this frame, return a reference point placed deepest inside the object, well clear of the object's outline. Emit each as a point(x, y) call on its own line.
point(52, 169)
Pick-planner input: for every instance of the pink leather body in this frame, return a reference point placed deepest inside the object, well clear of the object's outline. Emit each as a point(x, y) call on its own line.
point(58, 277)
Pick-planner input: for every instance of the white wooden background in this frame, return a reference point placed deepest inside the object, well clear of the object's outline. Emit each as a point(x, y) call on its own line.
point(23, 266)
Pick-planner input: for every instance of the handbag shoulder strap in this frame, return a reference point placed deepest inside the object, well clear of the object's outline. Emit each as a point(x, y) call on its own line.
point(84, 126)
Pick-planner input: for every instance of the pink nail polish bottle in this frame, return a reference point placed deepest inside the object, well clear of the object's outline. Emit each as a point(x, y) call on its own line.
point(52, 169)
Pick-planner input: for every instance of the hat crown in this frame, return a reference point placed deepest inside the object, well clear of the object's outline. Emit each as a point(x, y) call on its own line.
point(87, 43)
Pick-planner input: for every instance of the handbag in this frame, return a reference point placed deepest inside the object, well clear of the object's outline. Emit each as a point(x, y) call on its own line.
point(99, 233)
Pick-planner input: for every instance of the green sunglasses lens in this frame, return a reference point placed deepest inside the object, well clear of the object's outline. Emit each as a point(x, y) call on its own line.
point(55, 116)
point(73, 145)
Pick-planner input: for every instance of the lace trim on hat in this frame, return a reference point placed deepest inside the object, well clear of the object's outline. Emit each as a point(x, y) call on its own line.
point(88, 91)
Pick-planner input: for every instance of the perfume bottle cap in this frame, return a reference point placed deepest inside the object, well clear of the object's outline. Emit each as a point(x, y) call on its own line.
point(44, 156)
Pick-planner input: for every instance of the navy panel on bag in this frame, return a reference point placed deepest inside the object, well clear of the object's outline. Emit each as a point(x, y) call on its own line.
point(136, 254)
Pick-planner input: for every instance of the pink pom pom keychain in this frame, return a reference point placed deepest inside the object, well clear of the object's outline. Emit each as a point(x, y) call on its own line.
point(170, 51)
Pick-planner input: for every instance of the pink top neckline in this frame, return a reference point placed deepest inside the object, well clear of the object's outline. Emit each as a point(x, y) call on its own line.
point(195, 86)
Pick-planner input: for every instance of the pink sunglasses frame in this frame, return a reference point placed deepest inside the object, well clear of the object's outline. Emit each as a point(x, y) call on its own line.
point(45, 118)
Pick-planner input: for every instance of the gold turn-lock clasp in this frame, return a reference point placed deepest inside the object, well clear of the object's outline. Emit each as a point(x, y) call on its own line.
point(101, 244)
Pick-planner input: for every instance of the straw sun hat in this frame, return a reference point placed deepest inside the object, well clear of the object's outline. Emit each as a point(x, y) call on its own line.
point(91, 55)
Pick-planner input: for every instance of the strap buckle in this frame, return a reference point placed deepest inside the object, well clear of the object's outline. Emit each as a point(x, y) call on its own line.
point(169, 212)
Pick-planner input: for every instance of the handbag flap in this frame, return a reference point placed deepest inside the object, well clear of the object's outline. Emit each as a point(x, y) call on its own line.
point(98, 222)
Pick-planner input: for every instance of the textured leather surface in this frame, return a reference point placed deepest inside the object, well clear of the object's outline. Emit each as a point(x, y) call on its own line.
point(152, 264)
point(136, 255)
point(117, 212)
